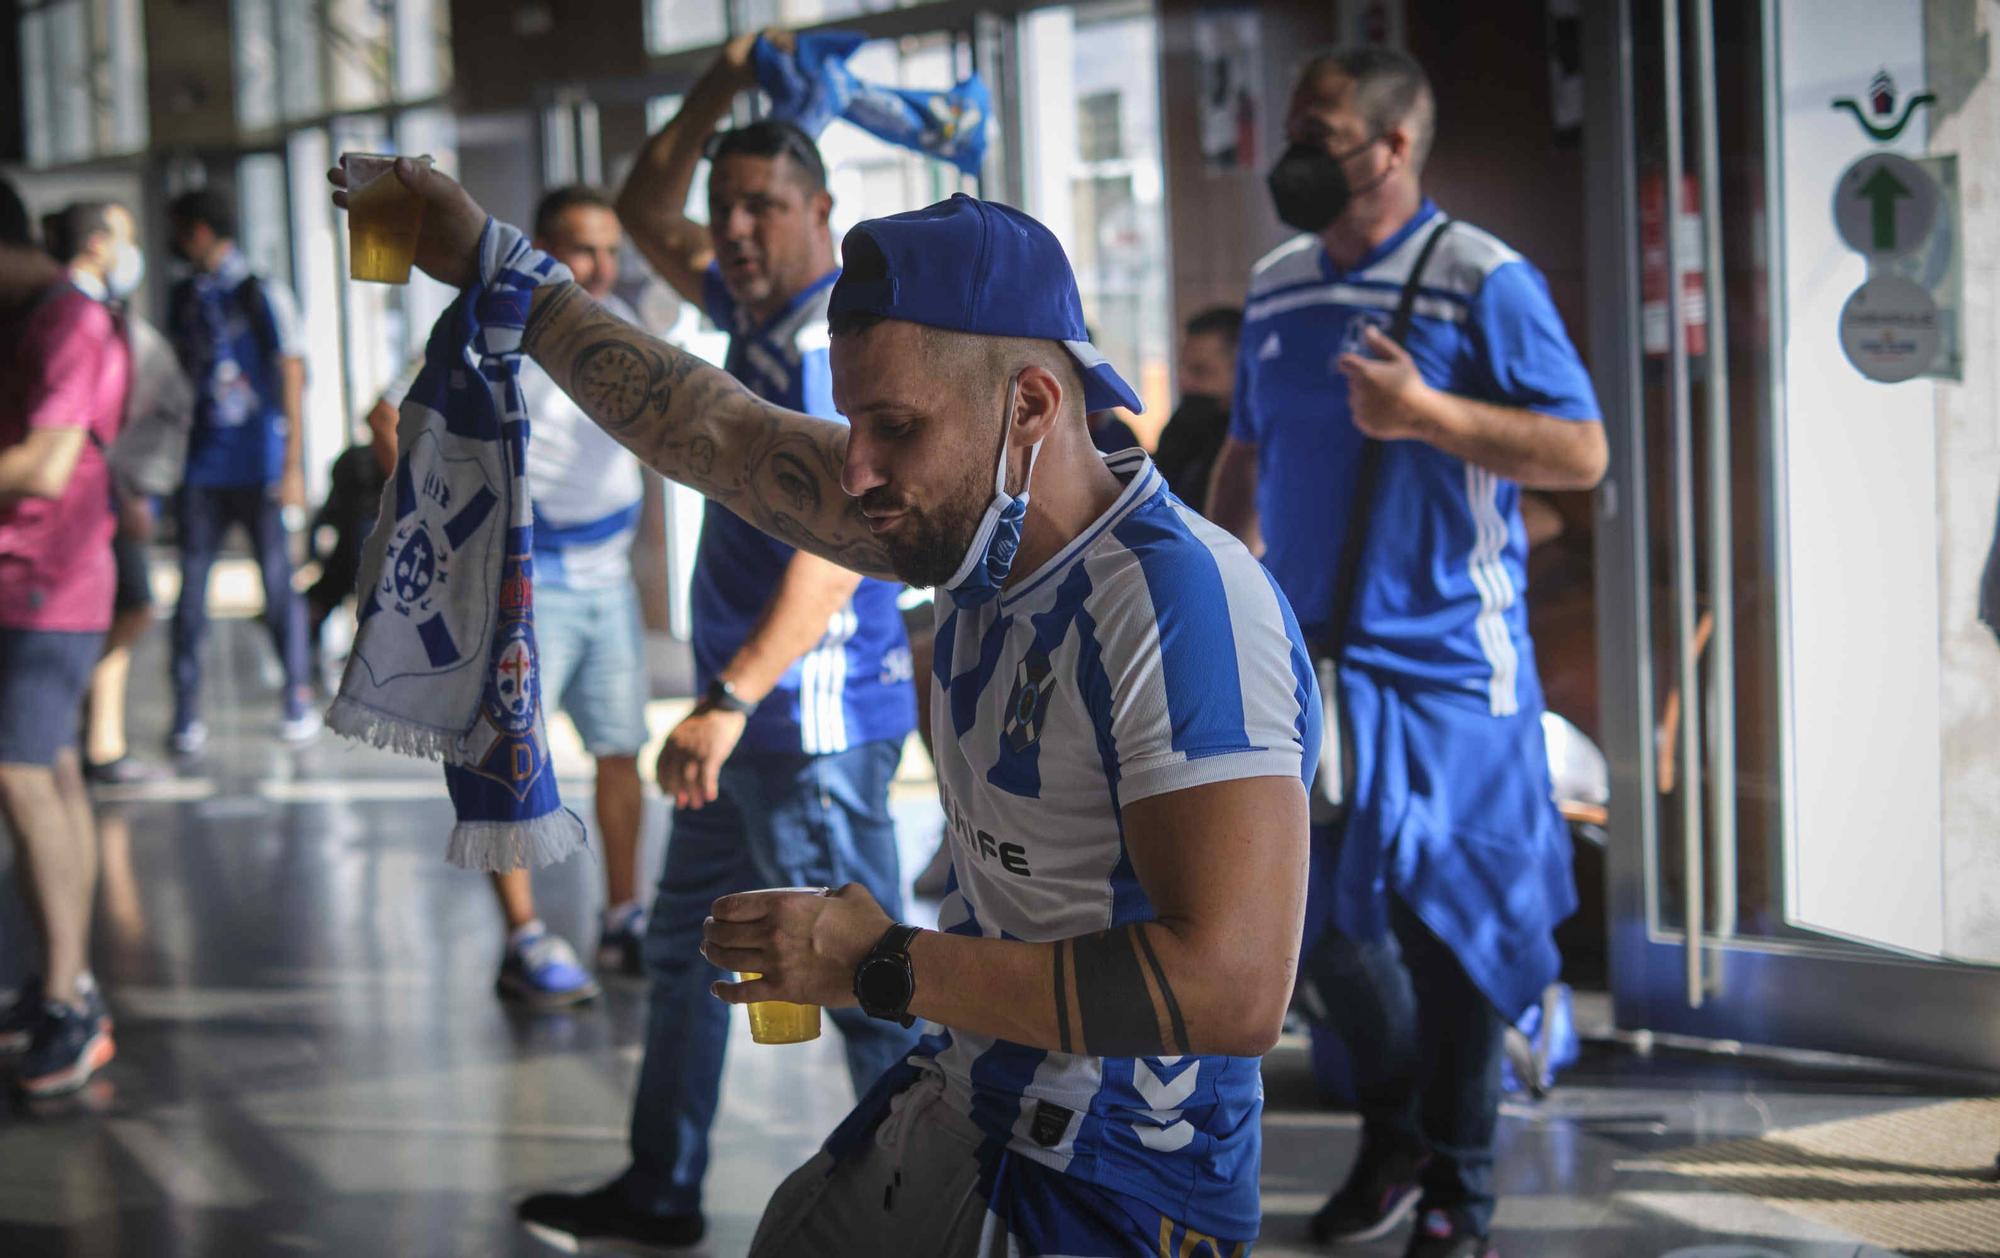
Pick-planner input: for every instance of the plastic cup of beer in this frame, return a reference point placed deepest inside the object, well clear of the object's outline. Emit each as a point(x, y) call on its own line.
point(383, 218)
point(781, 1021)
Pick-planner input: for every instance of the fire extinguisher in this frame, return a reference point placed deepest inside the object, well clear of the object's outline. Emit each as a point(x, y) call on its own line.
point(1653, 265)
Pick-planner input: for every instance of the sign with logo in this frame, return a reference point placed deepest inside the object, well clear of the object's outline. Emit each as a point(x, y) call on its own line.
point(1877, 114)
point(1890, 329)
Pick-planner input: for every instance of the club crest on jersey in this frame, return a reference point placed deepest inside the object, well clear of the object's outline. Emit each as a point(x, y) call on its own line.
point(1028, 703)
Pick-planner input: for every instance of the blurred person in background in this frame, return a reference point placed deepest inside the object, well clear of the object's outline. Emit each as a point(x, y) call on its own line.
point(238, 338)
point(588, 633)
point(62, 402)
point(97, 242)
point(1207, 380)
point(1433, 899)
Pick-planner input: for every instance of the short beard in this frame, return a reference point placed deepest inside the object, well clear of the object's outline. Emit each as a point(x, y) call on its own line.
point(929, 551)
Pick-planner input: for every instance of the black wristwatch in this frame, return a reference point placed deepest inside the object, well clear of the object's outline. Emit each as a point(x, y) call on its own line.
point(885, 981)
point(722, 697)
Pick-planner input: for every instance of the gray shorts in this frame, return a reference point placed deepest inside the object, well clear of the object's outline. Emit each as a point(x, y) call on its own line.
point(911, 1189)
point(918, 1185)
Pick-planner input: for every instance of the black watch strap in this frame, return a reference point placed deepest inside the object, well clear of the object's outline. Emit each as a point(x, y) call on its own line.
point(722, 697)
point(891, 953)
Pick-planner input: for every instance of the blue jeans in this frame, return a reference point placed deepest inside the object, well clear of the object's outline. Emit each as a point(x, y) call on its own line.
point(781, 820)
point(205, 517)
point(1423, 1042)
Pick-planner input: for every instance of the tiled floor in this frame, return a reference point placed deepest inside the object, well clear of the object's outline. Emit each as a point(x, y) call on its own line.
point(311, 1059)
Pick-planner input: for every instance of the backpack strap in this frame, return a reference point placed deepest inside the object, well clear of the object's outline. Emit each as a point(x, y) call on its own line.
point(255, 307)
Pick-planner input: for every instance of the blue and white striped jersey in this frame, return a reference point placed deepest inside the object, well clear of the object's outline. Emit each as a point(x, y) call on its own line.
point(853, 687)
point(1152, 654)
point(1439, 596)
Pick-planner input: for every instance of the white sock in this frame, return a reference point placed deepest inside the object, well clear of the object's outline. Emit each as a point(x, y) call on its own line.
point(525, 931)
point(617, 913)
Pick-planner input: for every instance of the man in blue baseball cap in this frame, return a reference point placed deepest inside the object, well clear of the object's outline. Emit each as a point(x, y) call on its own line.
point(1131, 716)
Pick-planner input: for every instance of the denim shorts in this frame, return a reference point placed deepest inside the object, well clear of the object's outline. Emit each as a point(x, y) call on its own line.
point(592, 650)
point(43, 675)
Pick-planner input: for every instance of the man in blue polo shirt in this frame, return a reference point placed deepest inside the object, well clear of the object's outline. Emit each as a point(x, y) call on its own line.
point(781, 775)
point(1442, 888)
point(238, 339)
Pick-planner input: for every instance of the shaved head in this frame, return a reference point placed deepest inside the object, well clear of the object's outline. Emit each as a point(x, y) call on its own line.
point(1389, 89)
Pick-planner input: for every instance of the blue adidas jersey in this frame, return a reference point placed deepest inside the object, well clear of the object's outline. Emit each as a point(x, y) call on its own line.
point(854, 686)
point(1442, 579)
point(1150, 655)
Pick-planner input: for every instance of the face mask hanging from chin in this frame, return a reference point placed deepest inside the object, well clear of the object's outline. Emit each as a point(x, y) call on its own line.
point(990, 556)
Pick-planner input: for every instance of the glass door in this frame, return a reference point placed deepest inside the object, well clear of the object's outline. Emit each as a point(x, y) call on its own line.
point(1797, 692)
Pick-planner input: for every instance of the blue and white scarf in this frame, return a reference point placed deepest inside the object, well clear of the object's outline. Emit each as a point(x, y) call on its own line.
point(444, 663)
point(811, 86)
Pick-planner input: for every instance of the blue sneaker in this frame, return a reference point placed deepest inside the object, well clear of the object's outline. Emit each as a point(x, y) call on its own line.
point(542, 972)
point(69, 1046)
point(18, 1022)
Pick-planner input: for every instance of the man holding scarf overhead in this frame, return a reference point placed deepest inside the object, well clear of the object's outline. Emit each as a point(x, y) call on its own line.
point(1133, 718)
point(780, 776)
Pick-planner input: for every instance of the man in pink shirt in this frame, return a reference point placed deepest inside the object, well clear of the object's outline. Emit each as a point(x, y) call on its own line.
point(64, 371)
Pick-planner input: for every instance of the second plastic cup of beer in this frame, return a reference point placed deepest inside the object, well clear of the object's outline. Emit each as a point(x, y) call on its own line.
point(383, 219)
point(782, 1021)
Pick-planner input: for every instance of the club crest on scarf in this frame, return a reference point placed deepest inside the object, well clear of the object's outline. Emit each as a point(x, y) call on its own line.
point(444, 662)
point(506, 747)
point(443, 507)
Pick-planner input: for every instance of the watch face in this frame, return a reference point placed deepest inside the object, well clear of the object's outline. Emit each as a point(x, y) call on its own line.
point(883, 984)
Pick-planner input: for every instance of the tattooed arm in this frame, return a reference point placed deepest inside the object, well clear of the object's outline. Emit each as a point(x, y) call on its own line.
point(1223, 867)
point(778, 469)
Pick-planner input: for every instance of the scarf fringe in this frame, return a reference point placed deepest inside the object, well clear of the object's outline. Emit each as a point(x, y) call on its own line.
point(499, 847)
point(358, 721)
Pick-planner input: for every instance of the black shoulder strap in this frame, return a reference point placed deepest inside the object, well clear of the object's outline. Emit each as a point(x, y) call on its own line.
point(1361, 505)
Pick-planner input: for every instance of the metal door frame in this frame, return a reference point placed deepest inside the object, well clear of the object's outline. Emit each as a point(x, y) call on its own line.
point(1834, 999)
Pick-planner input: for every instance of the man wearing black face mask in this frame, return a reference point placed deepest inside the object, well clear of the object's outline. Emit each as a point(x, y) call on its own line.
point(1433, 895)
point(1195, 432)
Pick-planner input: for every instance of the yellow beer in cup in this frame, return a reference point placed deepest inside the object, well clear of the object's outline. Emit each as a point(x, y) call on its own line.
point(781, 1021)
point(383, 219)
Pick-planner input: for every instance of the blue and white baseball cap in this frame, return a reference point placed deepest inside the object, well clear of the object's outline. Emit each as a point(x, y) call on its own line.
point(967, 265)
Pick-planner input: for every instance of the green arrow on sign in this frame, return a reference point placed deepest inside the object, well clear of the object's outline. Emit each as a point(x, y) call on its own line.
point(1884, 190)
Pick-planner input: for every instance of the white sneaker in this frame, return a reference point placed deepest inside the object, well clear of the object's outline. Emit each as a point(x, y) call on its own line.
point(189, 739)
point(302, 728)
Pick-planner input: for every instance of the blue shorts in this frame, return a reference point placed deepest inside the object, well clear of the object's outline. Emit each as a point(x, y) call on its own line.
point(592, 651)
point(43, 676)
point(1453, 815)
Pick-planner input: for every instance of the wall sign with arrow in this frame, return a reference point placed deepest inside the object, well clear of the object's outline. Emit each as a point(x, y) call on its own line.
point(1901, 214)
point(1884, 205)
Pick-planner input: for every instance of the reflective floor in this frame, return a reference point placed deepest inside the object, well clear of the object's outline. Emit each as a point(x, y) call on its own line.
point(312, 1060)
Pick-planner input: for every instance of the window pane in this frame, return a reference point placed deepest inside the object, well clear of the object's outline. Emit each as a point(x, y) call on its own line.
point(357, 44)
point(255, 41)
point(124, 37)
point(299, 41)
point(69, 67)
point(672, 25)
point(320, 257)
point(423, 48)
point(36, 88)
point(1090, 100)
point(265, 231)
